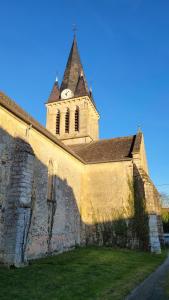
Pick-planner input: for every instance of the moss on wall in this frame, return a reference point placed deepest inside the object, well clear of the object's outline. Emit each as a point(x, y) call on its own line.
point(140, 224)
point(124, 227)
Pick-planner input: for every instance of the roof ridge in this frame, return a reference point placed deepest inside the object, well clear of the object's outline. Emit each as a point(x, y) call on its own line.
point(118, 138)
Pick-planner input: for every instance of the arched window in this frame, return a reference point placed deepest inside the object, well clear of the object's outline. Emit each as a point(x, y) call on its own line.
point(50, 181)
point(58, 122)
point(67, 119)
point(77, 119)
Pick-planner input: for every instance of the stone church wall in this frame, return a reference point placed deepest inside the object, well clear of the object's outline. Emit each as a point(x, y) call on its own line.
point(108, 203)
point(50, 201)
point(5, 165)
point(54, 223)
point(121, 206)
point(17, 207)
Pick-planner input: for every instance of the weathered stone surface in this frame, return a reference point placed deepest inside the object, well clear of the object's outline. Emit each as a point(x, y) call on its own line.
point(153, 234)
point(17, 204)
point(147, 194)
point(93, 203)
point(88, 120)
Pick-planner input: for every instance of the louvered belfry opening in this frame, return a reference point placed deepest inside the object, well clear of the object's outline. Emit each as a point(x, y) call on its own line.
point(67, 118)
point(77, 119)
point(58, 122)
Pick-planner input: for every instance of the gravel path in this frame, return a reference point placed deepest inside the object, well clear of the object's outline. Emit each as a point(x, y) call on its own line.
point(152, 287)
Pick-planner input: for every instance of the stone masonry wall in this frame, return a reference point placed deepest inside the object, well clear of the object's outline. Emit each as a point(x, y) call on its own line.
point(51, 201)
point(88, 120)
point(108, 204)
point(6, 151)
point(151, 208)
point(17, 209)
point(55, 224)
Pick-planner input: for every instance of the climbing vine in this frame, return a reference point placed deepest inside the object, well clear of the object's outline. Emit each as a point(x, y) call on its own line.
point(140, 224)
point(126, 226)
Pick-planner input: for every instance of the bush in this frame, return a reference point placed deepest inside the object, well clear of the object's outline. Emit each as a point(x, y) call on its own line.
point(165, 220)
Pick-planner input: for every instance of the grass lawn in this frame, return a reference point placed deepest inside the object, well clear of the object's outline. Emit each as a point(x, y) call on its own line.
point(85, 273)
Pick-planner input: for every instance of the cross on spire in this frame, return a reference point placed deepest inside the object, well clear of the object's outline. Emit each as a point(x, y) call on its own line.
point(74, 29)
point(138, 128)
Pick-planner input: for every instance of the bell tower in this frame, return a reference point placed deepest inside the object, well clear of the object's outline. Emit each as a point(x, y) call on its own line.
point(71, 111)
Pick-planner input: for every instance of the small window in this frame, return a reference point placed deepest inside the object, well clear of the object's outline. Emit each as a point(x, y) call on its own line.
point(67, 119)
point(58, 122)
point(77, 119)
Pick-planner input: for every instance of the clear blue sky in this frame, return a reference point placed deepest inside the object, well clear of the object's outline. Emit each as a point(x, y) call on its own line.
point(124, 47)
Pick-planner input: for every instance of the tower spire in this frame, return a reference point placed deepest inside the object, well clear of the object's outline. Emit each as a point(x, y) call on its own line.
point(74, 98)
point(73, 69)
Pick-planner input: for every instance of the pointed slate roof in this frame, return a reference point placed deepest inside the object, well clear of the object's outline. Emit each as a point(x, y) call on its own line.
point(55, 93)
point(81, 87)
point(73, 70)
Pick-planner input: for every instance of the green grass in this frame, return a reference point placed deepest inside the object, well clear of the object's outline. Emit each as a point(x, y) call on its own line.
point(85, 273)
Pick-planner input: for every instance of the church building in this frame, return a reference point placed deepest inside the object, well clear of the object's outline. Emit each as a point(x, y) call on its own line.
point(62, 186)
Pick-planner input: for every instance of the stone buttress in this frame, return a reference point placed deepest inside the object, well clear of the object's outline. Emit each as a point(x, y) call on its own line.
point(17, 211)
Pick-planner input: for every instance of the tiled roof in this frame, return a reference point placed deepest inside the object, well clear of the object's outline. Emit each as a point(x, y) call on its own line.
point(115, 149)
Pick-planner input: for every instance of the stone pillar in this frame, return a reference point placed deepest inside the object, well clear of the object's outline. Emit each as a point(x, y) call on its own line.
point(18, 207)
point(153, 234)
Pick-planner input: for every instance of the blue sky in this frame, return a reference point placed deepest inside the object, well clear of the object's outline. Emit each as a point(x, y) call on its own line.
point(124, 47)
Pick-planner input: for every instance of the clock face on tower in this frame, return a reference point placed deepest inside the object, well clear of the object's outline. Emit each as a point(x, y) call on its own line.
point(66, 94)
